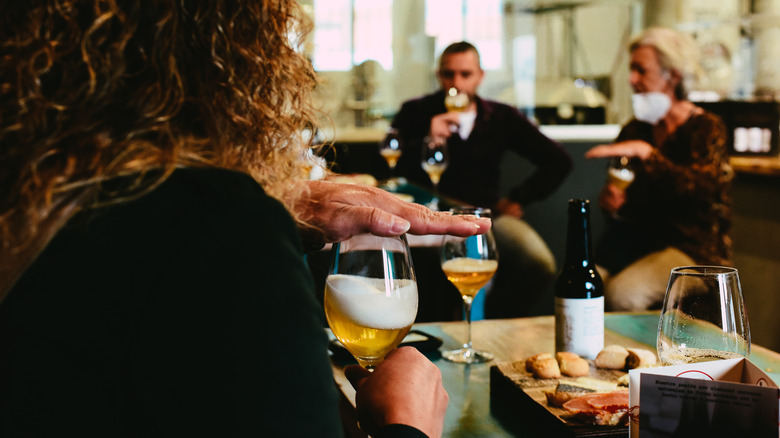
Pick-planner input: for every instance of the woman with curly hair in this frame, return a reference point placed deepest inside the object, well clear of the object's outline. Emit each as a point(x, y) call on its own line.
point(151, 283)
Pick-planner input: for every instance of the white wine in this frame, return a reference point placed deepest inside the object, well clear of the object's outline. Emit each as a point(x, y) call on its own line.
point(620, 178)
point(456, 100)
point(391, 156)
point(579, 291)
point(469, 275)
point(434, 171)
point(681, 356)
point(368, 320)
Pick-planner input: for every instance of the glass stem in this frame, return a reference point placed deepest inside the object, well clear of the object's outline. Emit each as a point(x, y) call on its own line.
point(435, 200)
point(467, 299)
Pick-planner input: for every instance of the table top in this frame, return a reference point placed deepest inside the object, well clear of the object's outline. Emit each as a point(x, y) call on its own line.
point(469, 413)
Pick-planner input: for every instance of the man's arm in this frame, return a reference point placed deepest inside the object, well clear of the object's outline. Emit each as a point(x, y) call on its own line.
point(413, 122)
point(553, 163)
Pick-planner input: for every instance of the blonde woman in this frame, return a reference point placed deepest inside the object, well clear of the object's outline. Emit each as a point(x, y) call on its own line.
point(152, 283)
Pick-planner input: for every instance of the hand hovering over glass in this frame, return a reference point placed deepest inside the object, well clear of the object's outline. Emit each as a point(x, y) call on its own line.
point(336, 212)
point(404, 389)
point(629, 148)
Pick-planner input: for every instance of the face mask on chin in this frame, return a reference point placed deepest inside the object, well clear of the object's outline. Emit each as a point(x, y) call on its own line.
point(650, 107)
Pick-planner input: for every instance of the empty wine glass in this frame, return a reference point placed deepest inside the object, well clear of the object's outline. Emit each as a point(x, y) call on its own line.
point(390, 149)
point(371, 295)
point(434, 161)
point(703, 316)
point(469, 263)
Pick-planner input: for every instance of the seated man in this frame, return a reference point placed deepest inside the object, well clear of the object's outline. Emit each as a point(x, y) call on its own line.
point(477, 137)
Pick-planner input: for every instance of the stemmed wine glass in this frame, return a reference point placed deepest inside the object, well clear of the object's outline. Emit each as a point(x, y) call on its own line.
point(371, 295)
point(469, 263)
point(620, 173)
point(390, 149)
point(434, 161)
point(703, 316)
point(456, 100)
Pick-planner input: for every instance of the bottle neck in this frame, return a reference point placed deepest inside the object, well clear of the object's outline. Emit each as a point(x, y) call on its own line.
point(578, 243)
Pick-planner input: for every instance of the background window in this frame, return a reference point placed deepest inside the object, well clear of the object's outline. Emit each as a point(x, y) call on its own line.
point(348, 32)
point(476, 21)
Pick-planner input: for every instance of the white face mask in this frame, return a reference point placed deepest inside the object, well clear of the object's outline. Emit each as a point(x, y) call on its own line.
point(650, 107)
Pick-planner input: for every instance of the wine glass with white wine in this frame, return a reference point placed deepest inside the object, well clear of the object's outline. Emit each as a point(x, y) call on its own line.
point(434, 161)
point(390, 150)
point(469, 263)
point(371, 295)
point(620, 173)
point(456, 100)
point(703, 317)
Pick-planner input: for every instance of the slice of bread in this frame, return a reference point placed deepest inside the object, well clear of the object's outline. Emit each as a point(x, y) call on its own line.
point(543, 366)
point(612, 357)
point(571, 364)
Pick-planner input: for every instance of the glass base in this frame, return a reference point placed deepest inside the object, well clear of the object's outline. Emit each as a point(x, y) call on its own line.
point(467, 355)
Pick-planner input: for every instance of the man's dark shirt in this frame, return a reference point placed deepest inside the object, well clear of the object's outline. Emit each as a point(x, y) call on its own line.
point(473, 173)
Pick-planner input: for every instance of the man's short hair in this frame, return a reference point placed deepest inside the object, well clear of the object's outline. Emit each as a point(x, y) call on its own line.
point(459, 47)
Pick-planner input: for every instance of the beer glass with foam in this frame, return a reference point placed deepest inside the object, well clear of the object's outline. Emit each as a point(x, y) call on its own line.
point(371, 295)
point(469, 263)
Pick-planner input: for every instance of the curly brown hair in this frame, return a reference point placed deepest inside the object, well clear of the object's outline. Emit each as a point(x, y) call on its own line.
point(95, 89)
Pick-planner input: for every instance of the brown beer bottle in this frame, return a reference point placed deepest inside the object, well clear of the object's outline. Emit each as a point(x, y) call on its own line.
point(579, 291)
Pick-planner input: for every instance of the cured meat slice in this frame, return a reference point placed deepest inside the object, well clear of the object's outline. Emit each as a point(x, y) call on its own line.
point(579, 404)
point(609, 408)
point(611, 401)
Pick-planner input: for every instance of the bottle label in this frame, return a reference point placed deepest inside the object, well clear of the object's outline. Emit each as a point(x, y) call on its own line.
point(579, 326)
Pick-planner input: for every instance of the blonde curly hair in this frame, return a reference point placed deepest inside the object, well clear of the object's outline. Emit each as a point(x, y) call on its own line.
point(95, 89)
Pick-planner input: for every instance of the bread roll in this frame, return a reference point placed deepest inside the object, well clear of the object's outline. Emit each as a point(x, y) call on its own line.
point(543, 366)
point(612, 357)
point(640, 358)
point(571, 364)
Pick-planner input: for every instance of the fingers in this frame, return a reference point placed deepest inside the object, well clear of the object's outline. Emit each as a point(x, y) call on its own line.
point(442, 124)
point(339, 211)
point(356, 374)
point(600, 151)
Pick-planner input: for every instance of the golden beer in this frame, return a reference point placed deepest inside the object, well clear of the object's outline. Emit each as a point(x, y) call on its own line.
point(391, 156)
point(469, 275)
point(620, 178)
point(434, 171)
point(456, 100)
point(368, 319)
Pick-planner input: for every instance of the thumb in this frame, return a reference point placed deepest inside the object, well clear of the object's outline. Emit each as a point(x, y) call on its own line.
point(355, 374)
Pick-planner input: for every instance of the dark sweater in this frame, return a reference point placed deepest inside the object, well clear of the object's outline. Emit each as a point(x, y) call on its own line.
point(187, 312)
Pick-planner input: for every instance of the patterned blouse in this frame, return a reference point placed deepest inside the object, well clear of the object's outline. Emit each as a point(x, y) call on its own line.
point(681, 196)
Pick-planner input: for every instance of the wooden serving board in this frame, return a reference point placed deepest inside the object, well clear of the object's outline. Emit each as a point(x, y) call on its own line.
point(518, 400)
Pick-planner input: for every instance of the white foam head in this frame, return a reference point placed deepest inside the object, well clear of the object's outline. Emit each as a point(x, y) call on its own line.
point(622, 174)
point(373, 303)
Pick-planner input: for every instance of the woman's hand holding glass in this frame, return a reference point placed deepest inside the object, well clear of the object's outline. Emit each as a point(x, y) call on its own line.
point(703, 316)
point(371, 295)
